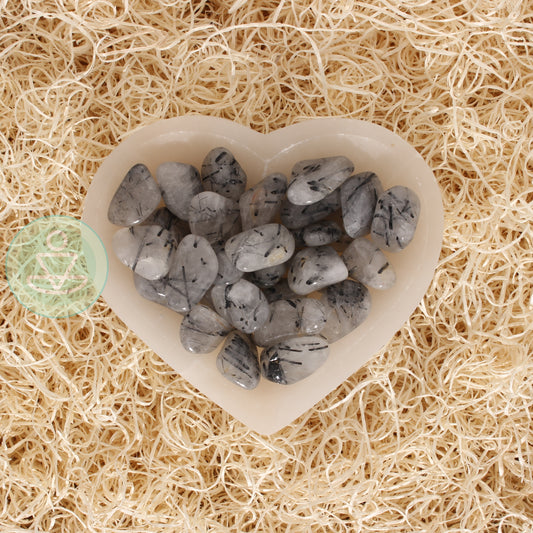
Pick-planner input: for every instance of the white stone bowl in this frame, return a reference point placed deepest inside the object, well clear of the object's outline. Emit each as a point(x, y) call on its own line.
point(187, 139)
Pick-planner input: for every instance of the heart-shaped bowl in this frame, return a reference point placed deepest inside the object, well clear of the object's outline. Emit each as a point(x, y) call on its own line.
point(188, 139)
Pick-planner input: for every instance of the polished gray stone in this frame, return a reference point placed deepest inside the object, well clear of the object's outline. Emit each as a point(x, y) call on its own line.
point(299, 216)
point(227, 272)
point(347, 305)
point(368, 264)
point(237, 361)
point(213, 216)
point(313, 269)
point(291, 318)
point(261, 247)
point(218, 298)
point(221, 173)
point(167, 220)
point(191, 273)
point(179, 182)
point(314, 179)
point(268, 277)
point(359, 196)
point(321, 233)
point(136, 198)
point(280, 291)
point(202, 329)
point(244, 305)
point(294, 359)
point(260, 204)
point(395, 218)
point(147, 250)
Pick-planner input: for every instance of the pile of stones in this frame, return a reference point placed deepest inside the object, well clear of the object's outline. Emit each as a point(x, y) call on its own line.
point(281, 268)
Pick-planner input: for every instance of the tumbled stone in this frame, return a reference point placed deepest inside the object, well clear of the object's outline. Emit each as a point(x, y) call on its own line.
point(321, 233)
point(359, 196)
point(178, 182)
point(147, 250)
point(268, 277)
point(167, 220)
point(136, 198)
point(260, 204)
point(237, 361)
point(244, 305)
point(395, 218)
point(221, 173)
point(218, 298)
point(202, 330)
point(313, 269)
point(153, 290)
point(294, 359)
point(368, 264)
point(314, 179)
point(291, 318)
point(347, 305)
point(280, 291)
point(299, 216)
point(227, 272)
point(191, 273)
point(261, 247)
point(213, 216)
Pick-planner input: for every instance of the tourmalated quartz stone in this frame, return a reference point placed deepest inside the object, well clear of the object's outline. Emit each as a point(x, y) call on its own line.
point(164, 218)
point(221, 173)
point(347, 305)
point(314, 179)
point(136, 198)
point(260, 204)
point(299, 216)
point(313, 269)
point(395, 218)
point(359, 196)
point(219, 301)
point(321, 233)
point(291, 318)
point(280, 291)
point(368, 264)
point(202, 330)
point(213, 216)
point(261, 247)
point(237, 361)
point(154, 290)
point(191, 273)
point(294, 359)
point(178, 182)
point(245, 305)
point(147, 250)
point(227, 272)
point(268, 277)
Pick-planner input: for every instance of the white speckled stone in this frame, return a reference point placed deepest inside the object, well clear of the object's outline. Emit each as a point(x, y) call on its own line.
point(291, 318)
point(213, 216)
point(395, 218)
point(314, 179)
point(359, 196)
point(261, 247)
point(280, 291)
point(147, 250)
point(227, 272)
point(321, 233)
point(191, 273)
point(294, 359)
point(313, 269)
point(202, 329)
point(260, 204)
point(299, 216)
point(268, 277)
point(347, 305)
point(221, 173)
point(179, 182)
point(368, 264)
point(167, 220)
point(136, 198)
point(237, 361)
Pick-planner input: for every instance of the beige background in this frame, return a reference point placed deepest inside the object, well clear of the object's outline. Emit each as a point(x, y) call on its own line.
point(435, 433)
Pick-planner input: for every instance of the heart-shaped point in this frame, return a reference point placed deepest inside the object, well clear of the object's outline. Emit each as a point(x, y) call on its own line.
point(188, 139)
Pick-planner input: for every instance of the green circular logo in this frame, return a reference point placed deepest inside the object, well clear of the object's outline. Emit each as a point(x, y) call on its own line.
point(56, 266)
